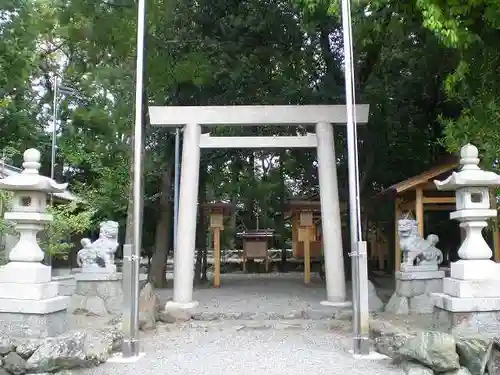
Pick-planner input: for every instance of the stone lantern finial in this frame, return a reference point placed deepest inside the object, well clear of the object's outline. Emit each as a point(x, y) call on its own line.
point(31, 163)
point(469, 157)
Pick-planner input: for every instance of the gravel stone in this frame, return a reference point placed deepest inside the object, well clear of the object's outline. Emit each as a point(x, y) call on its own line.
point(216, 348)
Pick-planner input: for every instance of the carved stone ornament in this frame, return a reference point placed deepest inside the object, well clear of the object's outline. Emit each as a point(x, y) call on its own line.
point(417, 251)
point(100, 254)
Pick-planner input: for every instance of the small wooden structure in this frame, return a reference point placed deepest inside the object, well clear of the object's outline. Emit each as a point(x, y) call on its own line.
point(419, 194)
point(306, 238)
point(217, 212)
point(256, 246)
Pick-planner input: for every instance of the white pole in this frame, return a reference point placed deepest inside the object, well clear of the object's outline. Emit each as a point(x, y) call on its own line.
point(358, 246)
point(130, 347)
point(176, 185)
point(54, 128)
point(330, 216)
point(188, 208)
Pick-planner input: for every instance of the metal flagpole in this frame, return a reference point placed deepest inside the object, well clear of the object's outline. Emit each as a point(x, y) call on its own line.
point(54, 131)
point(358, 246)
point(130, 347)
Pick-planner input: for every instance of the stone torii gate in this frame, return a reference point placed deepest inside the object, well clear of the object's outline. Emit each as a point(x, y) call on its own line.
point(193, 117)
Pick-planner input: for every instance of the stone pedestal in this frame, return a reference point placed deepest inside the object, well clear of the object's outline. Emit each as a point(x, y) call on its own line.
point(470, 305)
point(98, 294)
point(414, 292)
point(29, 302)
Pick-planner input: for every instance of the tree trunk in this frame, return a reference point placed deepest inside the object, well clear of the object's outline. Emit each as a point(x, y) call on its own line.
point(157, 270)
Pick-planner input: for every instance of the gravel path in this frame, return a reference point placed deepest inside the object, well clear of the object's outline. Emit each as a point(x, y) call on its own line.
point(236, 349)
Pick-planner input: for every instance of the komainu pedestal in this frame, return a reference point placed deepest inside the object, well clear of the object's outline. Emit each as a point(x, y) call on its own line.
point(98, 294)
point(470, 301)
point(420, 277)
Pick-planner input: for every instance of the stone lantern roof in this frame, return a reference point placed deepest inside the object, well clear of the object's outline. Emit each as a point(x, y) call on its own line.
point(30, 179)
point(470, 174)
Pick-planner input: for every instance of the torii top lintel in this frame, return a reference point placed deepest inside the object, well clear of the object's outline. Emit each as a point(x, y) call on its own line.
point(172, 116)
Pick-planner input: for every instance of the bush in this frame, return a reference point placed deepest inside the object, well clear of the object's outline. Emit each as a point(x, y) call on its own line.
point(69, 220)
point(56, 240)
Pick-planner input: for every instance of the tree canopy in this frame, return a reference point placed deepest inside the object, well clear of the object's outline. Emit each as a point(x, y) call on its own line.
point(428, 68)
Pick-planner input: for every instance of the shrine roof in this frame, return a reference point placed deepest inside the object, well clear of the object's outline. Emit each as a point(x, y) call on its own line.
point(226, 207)
point(420, 179)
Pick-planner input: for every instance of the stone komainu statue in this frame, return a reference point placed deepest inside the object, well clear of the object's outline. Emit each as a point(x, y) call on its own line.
point(417, 250)
point(100, 253)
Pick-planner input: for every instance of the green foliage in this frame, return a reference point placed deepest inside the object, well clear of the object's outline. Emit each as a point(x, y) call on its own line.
point(57, 239)
point(5, 227)
point(69, 220)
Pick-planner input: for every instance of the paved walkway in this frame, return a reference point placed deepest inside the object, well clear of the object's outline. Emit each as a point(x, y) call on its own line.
point(230, 348)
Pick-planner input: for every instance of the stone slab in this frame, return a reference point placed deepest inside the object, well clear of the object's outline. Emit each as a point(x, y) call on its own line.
point(421, 275)
point(421, 268)
point(486, 323)
point(25, 273)
point(67, 284)
point(97, 269)
point(98, 276)
point(473, 213)
point(454, 304)
point(44, 306)
point(476, 269)
point(471, 288)
point(29, 291)
point(33, 325)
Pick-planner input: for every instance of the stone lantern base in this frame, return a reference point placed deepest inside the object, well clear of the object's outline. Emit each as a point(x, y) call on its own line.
point(414, 292)
point(29, 302)
point(468, 303)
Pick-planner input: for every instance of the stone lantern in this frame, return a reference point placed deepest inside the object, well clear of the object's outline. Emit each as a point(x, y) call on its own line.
point(29, 299)
point(471, 295)
point(473, 209)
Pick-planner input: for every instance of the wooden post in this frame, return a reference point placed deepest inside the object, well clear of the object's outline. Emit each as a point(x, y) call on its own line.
point(305, 236)
point(217, 254)
point(419, 210)
point(295, 229)
point(397, 249)
point(216, 226)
